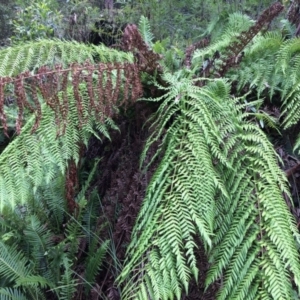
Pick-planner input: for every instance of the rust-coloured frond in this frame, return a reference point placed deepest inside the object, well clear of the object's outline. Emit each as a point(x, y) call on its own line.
point(293, 12)
point(146, 59)
point(191, 49)
point(71, 186)
point(106, 85)
point(3, 82)
point(233, 55)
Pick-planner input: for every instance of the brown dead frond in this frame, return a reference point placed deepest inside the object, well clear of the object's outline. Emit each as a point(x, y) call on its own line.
point(107, 86)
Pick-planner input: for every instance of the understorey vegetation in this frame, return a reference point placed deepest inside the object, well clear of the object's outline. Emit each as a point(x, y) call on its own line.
point(145, 170)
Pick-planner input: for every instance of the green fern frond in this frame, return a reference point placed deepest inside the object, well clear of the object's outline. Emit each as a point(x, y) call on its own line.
point(67, 285)
point(176, 206)
point(11, 294)
point(145, 31)
point(288, 63)
point(32, 55)
point(259, 71)
point(15, 269)
point(49, 202)
point(234, 25)
point(32, 281)
point(39, 240)
point(218, 179)
point(13, 264)
point(93, 265)
point(32, 156)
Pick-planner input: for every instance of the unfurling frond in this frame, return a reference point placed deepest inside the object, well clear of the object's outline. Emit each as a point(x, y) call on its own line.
point(218, 180)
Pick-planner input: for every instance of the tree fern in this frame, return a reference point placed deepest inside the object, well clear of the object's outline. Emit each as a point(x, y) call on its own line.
point(217, 180)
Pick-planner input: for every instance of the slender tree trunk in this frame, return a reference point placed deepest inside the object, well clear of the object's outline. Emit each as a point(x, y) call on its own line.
point(108, 4)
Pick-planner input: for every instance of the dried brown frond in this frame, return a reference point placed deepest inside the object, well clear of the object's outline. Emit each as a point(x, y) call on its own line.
point(107, 85)
point(71, 186)
point(3, 81)
point(191, 49)
point(234, 52)
point(146, 59)
point(293, 12)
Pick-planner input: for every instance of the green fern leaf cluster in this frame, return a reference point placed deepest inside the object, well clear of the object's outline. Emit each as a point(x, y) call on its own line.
point(34, 159)
point(223, 33)
point(32, 55)
point(11, 294)
point(237, 210)
point(270, 66)
point(261, 52)
point(32, 264)
point(145, 31)
point(14, 265)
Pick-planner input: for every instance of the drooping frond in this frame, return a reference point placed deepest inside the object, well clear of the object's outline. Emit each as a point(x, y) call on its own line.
point(32, 55)
point(82, 108)
point(63, 106)
point(103, 84)
point(13, 264)
point(218, 179)
point(254, 245)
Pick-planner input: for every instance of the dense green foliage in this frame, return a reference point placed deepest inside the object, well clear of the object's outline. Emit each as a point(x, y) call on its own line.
point(214, 211)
